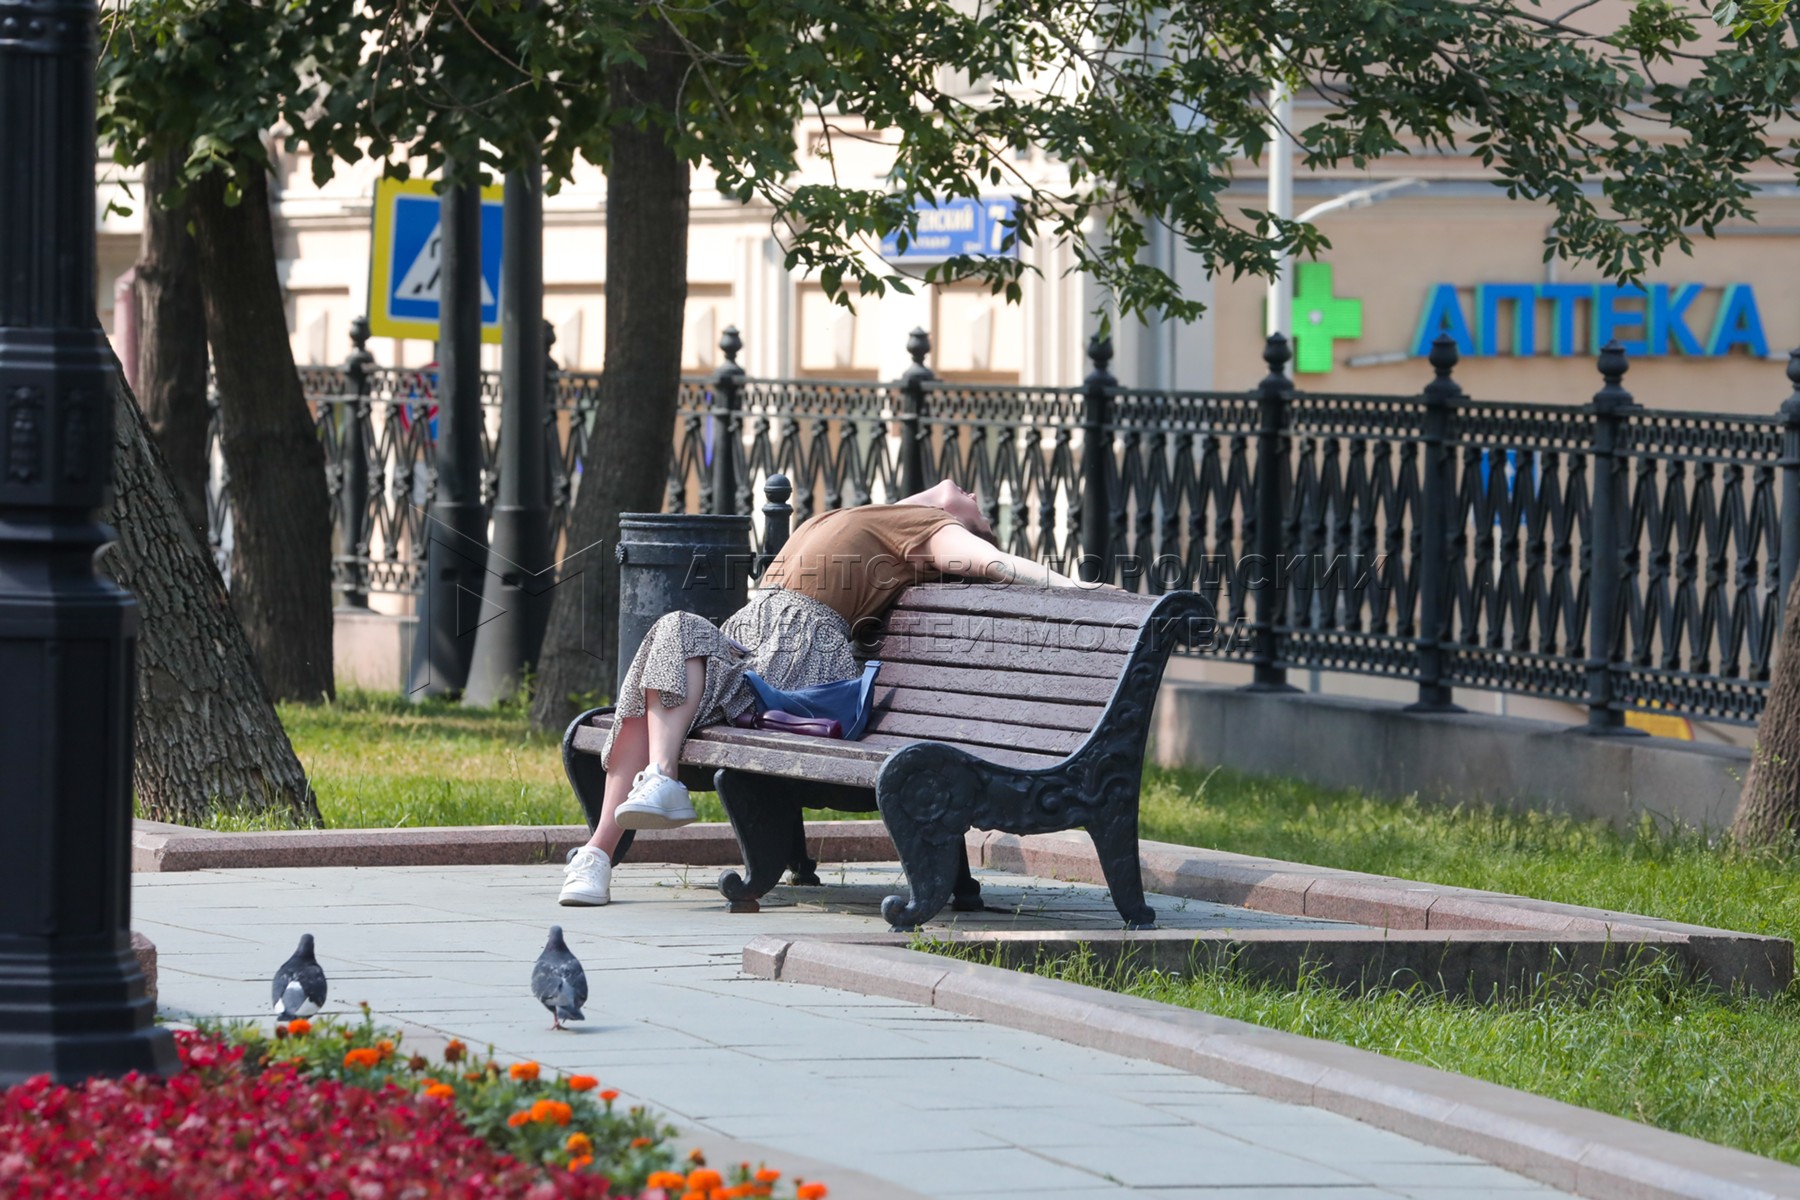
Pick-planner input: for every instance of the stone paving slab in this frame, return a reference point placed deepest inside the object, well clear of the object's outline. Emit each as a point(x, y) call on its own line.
point(897, 1100)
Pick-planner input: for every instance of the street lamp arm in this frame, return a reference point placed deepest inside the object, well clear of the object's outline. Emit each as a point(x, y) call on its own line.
point(1358, 198)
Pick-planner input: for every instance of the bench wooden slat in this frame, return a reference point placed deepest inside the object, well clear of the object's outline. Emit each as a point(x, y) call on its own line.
point(934, 727)
point(1014, 660)
point(988, 681)
point(593, 737)
point(1039, 712)
point(1029, 759)
point(1063, 604)
point(786, 760)
point(1031, 634)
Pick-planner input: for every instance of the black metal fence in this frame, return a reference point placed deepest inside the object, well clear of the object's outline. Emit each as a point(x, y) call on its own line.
point(1603, 554)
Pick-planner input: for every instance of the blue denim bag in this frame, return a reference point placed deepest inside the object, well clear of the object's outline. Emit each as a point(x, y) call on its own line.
point(849, 702)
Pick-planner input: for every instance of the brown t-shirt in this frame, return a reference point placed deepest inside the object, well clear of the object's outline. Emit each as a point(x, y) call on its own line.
point(856, 560)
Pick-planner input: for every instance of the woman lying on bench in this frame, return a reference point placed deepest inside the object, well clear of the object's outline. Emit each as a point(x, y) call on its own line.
point(837, 574)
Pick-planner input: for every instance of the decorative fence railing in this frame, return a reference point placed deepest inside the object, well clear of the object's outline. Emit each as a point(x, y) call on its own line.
point(1602, 554)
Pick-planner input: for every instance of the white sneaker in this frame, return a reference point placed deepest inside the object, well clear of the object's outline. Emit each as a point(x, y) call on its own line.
point(587, 880)
point(655, 802)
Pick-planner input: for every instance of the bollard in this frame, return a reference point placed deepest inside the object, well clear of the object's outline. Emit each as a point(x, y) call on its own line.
point(671, 562)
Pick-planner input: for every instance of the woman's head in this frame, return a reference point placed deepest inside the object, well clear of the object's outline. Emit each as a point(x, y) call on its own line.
point(959, 503)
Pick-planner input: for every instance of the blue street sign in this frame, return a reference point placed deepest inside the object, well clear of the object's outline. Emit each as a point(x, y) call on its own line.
point(957, 226)
point(404, 258)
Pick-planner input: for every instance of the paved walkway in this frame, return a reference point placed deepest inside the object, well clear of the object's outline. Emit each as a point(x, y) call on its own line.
point(905, 1097)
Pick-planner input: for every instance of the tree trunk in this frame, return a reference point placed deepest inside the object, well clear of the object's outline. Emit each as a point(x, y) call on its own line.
point(626, 469)
point(280, 515)
point(1768, 809)
point(172, 341)
point(207, 738)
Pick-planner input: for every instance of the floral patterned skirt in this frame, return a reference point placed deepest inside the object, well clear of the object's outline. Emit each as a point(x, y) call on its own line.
point(793, 641)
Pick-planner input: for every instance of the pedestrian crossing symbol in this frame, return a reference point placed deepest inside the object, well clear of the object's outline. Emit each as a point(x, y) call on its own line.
point(404, 260)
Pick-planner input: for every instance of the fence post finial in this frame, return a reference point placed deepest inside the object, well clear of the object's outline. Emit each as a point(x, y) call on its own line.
point(1612, 364)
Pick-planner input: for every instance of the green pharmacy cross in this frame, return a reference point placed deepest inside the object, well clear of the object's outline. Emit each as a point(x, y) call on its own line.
point(1320, 318)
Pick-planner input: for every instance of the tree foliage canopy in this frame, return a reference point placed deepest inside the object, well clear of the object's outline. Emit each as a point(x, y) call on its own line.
point(1134, 112)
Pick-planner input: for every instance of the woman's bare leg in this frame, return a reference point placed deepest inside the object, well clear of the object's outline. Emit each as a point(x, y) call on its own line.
point(630, 754)
point(657, 737)
point(669, 726)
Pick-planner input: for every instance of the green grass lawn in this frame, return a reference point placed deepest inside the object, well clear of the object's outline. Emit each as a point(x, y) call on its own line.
point(1650, 1048)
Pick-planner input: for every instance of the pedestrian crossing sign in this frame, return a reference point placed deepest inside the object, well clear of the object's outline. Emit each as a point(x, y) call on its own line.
point(404, 257)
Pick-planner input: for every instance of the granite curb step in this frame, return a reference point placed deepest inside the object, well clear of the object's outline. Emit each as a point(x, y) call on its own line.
point(1731, 959)
point(1575, 1149)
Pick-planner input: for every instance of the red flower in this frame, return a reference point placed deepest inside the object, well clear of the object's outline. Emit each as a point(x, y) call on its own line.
point(222, 1129)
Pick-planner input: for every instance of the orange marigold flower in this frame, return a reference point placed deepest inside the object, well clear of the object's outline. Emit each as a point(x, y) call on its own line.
point(609, 1095)
point(524, 1070)
point(384, 1048)
point(361, 1057)
point(580, 1161)
point(552, 1112)
point(693, 1196)
point(454, 1051)
point(518, 1119)
point(638, 1143)
point(696, 1157)
point(441, 1091)
point(666, 1180)
point(299, 1027)
point(583, 1083)
point(473, 1076)
point(767, 1175)
point(579, 1143)
point(704, 1179)
point(810, 1191)
point(719, 1194)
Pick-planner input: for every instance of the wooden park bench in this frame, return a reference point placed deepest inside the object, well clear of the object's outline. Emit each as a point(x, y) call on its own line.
point(1018, 709)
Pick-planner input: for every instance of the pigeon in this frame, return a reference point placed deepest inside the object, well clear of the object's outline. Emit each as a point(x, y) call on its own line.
point(298, 989)
point(558, 981)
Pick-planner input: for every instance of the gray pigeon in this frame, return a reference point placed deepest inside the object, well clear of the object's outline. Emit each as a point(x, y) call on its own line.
point(558, 981)
point(299, 986)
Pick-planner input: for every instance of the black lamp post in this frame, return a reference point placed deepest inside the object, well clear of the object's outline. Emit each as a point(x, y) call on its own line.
point(456, 526)
point(72, 999)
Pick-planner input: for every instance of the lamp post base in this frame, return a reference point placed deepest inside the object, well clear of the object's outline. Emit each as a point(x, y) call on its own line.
point(75, 1011)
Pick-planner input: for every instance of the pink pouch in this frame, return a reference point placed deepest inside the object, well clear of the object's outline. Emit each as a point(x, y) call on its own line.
point(785, 722)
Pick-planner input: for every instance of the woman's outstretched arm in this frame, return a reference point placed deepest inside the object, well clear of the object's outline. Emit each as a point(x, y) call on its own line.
point(956, 551)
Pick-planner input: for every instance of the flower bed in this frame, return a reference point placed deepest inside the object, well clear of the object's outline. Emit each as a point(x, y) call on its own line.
point(340, 1113)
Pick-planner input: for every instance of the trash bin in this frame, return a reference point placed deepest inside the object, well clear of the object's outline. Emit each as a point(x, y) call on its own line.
point(670, 562)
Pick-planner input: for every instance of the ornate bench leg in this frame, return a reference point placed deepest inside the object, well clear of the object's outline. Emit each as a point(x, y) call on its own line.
point(804, 868)
point(764, 821)
point(926, 793)
point(1115, 835)
point(966, 893)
